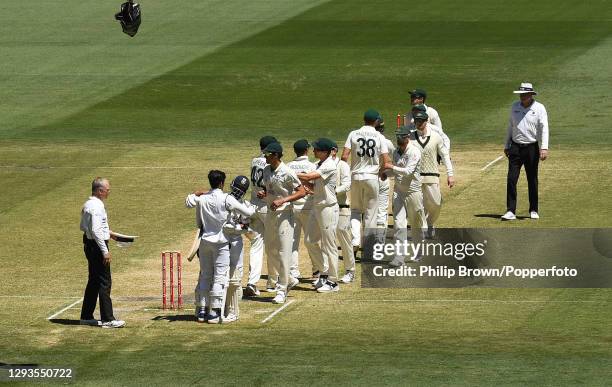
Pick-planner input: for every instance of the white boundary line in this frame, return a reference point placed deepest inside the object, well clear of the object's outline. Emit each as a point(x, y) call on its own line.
point(492, 162)
point(277, 311)
point(65, 309)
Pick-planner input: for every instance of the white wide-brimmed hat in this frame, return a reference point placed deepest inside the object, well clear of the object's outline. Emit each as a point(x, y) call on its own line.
point(525, 88)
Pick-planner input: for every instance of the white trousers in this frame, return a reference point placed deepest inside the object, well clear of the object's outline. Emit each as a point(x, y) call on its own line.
point(345, 237)
point(256, 236)
point(278, 235)
point(364, 202)
point(432, 201)
point(407, 206)
point(321, 235)
point(301, 217)
point(384, 189)
point(214, 274)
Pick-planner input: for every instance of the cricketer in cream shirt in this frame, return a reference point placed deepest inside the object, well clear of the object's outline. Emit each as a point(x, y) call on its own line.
point(431, 145)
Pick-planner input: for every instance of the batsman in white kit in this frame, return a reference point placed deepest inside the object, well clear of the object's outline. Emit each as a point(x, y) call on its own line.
point(407, 194)
point(222, 219)
point(256, 232)
point(281, 188)
point(368, 151)
point(321, 229)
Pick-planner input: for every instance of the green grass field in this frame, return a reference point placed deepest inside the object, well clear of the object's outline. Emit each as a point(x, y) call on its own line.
point(197, 87)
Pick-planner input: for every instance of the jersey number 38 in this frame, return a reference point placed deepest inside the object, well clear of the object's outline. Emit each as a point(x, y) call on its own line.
point(366, 147)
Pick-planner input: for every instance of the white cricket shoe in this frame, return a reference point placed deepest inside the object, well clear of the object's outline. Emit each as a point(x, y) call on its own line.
point(279, 298)
point(508, 216)
point(348, 277)
point(534, 215)
point(329, 287)
point(113, 324)
point(319, 282)
point(293, 282)
point(230, 318)
point(397, 262)
point(272, 289)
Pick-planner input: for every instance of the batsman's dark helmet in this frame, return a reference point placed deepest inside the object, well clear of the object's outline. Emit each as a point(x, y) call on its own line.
point(239, 187)
point(129, 17)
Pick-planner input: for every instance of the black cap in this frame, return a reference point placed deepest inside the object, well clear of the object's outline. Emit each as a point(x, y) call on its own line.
point(418, 93)
point(265, 140)
point(421, 116)
point(324, 144)
point(301, 146)
point(273, 147)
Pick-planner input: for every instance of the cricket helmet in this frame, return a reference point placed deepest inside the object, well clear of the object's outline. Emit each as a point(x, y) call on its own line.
point(129, 17)
point(239, 187)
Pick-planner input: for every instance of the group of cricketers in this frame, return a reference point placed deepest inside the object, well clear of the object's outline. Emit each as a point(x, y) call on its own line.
point(332, 201)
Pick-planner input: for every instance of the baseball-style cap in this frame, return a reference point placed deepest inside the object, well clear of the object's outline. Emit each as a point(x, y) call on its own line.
point(273, 147)
point(334, 145)
point(421, 116)
point(265, 140)
point(403, 131)
point(525, 88)
point(418, 93)
point(300, 146)
point(420, 107)
point(371, 115)
point(324, 144)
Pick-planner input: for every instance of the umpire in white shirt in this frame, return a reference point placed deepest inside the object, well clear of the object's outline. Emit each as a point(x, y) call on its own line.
point(526, 144)
point(96, 233)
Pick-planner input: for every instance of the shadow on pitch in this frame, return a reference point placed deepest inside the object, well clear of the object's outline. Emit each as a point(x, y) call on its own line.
point(176, 317)
point(65, 321)
point(498, 216)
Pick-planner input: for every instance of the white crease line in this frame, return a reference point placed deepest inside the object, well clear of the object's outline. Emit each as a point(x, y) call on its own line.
point(65, 309)
point(277, 311)
point(492, 162)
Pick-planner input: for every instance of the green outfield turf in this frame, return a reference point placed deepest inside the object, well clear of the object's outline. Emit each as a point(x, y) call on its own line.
point(197, 87)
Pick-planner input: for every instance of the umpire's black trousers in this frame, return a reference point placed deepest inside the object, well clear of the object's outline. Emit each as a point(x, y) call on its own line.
point(98, 284)
point(519, 155)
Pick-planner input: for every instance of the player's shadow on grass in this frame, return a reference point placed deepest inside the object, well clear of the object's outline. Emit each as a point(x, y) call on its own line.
point(498, 216)
point(65, 321)
point(176, 317)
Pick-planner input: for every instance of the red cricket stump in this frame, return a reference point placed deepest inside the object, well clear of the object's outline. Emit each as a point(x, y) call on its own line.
point(399, 120)
point(178, 276)
point(163, 257)
point(172, 255)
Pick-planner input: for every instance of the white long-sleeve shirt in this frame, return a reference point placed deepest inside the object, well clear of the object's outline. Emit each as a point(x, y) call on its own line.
point(527, 125)
point(343, 182)
point(301, 164)
point(94, 222)
point(407, 169)
point(431, 145)
point(212, 212)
